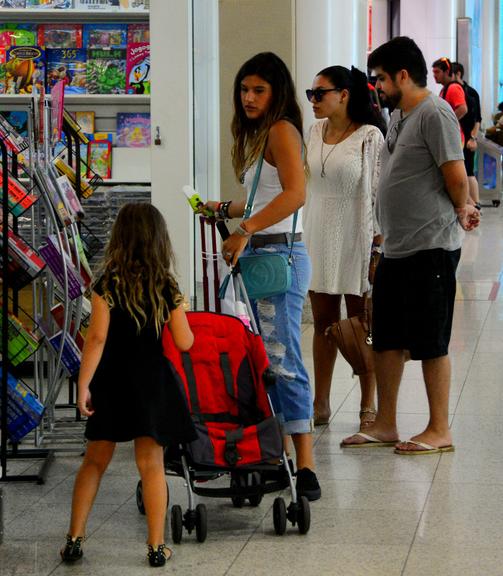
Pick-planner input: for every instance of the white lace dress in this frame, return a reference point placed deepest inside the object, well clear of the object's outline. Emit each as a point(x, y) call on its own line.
point(339, 221)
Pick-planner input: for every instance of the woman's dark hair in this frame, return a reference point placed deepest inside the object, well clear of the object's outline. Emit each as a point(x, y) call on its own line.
point(361, 109)
point(250, 136)
point(400, 53)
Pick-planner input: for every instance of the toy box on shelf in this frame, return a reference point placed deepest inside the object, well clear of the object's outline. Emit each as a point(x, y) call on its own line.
point(24, 410)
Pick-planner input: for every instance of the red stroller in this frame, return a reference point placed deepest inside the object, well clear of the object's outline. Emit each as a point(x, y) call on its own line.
point(225, 377)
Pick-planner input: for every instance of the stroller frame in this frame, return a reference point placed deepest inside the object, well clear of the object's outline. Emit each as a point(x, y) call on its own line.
point(249, 482)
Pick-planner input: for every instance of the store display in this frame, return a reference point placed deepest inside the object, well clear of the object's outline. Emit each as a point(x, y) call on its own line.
point(71, 355)
point(138, 32)
point(22, 342)
point(13, 4)
point(18, 35)
point(99, 158)
point(70, 198)
point(138, 68)
point(18, 119)
point(85, 119)
point(97, 4)
point(25, 68)
point(58, 262)
point(3, 60)
point(63, 168)
point(24, 411)
point(24, 262)
point(56, 199)
point(58, 313)
point(106, 71)
point(49, 4)
point(104, 35)
point(60, 35)
point(69, 65)
point(19, 197)
point(133, 130)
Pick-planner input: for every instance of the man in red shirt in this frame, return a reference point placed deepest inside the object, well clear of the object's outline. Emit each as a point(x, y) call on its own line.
point(452, 91)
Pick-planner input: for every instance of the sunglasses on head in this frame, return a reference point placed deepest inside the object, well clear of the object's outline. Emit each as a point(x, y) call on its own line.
point(318, 93)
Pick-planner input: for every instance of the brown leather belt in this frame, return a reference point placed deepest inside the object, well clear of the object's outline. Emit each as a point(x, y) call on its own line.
point(265, 239)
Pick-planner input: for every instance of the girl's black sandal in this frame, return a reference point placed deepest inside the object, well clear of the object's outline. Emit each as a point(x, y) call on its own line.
point(158, 557)
point(73, 549)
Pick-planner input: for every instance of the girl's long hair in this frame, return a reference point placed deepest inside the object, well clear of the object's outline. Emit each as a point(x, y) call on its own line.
point(361, 109)
point(250, 136)
point(138, 265)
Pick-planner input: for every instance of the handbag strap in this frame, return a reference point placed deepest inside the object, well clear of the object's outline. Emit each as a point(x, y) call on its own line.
point(251, 198)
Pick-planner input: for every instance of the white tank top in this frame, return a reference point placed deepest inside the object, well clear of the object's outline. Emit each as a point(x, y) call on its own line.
point(268, 188)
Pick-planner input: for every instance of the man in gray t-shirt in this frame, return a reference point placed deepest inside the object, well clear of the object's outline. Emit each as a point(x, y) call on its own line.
point(422, 210)
point(414, 209)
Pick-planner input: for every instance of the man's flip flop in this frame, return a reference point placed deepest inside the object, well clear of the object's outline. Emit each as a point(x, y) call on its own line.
point(371, 442)
point(423, 448)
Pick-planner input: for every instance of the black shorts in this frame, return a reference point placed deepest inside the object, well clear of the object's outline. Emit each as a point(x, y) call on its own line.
point(469, 160)
point(413, 303)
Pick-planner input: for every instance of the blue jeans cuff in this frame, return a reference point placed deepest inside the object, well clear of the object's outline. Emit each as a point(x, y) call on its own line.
point(297, 427)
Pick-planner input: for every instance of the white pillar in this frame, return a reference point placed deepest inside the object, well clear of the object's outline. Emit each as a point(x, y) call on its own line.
point(327, 32)
point(380, 24)
point(432, 25)
point(171, 111)
point(489, 39)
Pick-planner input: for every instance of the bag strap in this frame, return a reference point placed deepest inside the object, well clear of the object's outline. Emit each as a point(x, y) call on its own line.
point(251, 198)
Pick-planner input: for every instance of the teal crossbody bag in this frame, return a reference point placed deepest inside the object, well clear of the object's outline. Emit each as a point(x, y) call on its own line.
point(265, 275)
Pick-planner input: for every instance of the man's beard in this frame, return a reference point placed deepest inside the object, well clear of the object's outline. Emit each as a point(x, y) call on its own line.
point(392, 100)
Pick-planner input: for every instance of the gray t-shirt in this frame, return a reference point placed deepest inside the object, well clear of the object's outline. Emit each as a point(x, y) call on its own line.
point(413, 208)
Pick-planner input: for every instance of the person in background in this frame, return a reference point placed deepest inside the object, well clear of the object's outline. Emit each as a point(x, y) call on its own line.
point(452, 91)
point(343, 155)
point(126, 388)
point(470, 125)
point(422, 207)
point(267, 120)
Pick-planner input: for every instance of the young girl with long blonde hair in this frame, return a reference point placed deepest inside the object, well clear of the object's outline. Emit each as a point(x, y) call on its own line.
point(125, 386)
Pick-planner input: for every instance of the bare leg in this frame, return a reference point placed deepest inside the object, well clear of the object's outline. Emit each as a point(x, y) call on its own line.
point(437, 377)
point(474, 189)
point(150, 462)
point(367, 403)
point(355, 307)
point(304, 450)
point(96, 460)
point(389, 370)
point(326, 311)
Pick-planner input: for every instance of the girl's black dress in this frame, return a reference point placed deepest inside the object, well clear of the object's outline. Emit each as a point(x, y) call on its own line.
point(133, 391)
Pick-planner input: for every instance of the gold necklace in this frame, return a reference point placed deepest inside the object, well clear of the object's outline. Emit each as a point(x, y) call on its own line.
point(324, 132)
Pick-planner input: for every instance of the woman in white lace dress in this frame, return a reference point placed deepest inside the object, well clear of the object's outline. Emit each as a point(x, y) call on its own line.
point(343, 151)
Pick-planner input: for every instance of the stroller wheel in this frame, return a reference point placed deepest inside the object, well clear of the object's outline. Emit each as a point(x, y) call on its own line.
point(139, 498)
point(237, 481)
point(303, 515)
point(201, 522)
point(256, 480)
point(279, 515)
point(176, 524)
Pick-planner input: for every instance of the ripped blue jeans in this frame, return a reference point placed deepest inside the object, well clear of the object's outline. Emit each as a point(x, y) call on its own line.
point(279, 319)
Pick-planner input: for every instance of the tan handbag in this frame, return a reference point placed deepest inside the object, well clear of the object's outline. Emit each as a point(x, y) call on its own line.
point(353, 337)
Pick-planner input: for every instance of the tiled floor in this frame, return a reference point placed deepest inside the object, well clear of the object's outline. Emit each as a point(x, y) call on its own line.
point(380, 514)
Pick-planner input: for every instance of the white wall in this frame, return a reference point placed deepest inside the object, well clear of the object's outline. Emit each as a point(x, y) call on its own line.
point(380, 27)
point(327, 32)
point(171, 110)
point(432, 25)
